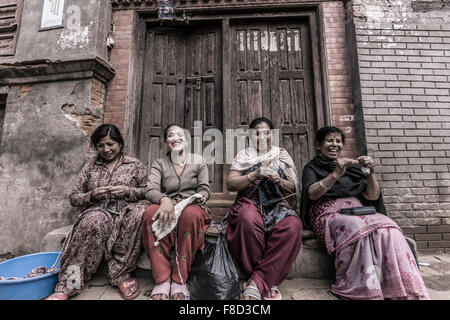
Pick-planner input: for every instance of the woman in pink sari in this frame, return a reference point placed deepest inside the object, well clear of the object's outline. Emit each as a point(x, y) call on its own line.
point(372, 257)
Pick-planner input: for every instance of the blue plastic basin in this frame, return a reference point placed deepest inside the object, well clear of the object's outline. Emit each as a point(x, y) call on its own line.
point(35, 288)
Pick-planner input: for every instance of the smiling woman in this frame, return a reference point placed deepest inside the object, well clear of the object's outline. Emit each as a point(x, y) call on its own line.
point(331, 145)
point(107, 190)
point(177, 176)
point(373, 259)
point(262, 227)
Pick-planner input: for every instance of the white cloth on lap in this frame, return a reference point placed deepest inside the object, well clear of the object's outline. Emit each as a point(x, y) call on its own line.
point(159, 231)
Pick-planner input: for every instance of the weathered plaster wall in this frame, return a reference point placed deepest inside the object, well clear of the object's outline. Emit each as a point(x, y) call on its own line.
point(87, 25)
point(50, 112)
point(42, 149)
point(404, 64)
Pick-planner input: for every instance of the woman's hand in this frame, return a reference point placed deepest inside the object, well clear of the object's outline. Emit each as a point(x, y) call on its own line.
point(200, 200)
point(342, 164)
point(266, 172)
point(165, 212)
point(99, 193)
point(276, 178)
point(269, 174)
point(272, 176)
point(368, 162)
point(255, 175)
point(120, 191)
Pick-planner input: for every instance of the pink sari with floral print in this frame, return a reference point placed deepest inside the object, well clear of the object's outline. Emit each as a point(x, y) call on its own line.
point(372, 257)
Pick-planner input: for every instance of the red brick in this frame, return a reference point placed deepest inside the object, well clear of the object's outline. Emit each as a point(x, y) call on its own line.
point(429, 236)
point(422, 244)
point(439, 229)
point(415, 230)
point(430, 250)
point(439, 244)
point(120, 59)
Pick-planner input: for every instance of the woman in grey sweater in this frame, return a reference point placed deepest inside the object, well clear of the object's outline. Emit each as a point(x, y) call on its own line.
point(176, 176)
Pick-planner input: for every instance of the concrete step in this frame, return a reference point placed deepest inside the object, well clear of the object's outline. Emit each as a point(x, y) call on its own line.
point(313, 262)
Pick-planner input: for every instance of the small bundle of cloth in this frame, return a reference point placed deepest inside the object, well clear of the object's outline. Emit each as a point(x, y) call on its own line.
point(161, 231)
point(36, 272)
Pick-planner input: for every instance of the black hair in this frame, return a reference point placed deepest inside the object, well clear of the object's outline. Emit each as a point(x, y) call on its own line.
point(168, 127)
point(107, 130)
point(260, 120)
point(323, 132)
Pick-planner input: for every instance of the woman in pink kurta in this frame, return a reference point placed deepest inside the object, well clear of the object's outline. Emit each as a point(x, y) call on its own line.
point(372, 257)
point(107, 190)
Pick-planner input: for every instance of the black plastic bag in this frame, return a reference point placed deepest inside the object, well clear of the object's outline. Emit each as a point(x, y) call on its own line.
point(214, 273)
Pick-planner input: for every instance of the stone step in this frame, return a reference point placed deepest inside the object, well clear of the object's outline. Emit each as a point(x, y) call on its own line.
point(219, 203)
point(313, 262)
point(222, 196)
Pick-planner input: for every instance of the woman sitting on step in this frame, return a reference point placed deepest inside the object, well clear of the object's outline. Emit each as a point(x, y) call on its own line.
point(263, 229)
point(107, 190)
point(177, 176)
point(372, 258)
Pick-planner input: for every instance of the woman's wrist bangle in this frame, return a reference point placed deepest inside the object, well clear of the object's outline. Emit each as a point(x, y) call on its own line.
point(323, 185)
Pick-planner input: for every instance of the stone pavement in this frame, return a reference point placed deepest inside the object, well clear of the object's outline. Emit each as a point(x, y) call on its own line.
point(435, 272)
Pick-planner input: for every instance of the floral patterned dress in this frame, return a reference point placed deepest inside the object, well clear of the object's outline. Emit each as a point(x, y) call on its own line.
point(109, 228)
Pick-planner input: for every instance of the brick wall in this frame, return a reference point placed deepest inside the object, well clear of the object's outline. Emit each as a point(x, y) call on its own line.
point(339, 82)
point(404, 60)
point(87, 118)
point(98, 100)
point(120, 59)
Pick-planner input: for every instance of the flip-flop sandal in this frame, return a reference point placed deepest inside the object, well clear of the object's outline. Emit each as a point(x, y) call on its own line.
point(129, 289)
point(251, 291)
point(277, 297)
point(162, 288)
point(57, 296)
point(178, 288)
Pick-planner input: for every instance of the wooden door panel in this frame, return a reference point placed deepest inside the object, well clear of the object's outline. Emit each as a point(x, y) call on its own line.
point(250, 74)
point(163, 101)
point(182, 84)
point(290, 70)
point(204, 89)
point(271, 77)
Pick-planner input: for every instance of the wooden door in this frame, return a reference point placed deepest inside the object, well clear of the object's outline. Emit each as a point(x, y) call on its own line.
point(163, 91)
point(182, 84)
point(271, 77)
point(203, 88)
